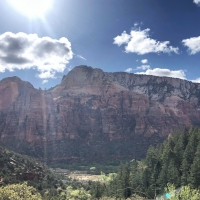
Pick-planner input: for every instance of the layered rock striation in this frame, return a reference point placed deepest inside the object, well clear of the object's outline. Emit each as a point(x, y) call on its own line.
point(94, 115)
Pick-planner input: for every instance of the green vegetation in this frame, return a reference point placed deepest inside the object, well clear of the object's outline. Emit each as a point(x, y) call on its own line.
point(172, 168)
point(19, 192)
point(77, 194)
point(90, 169)
point(15, 169)
point(184, 193)
point(176, 161)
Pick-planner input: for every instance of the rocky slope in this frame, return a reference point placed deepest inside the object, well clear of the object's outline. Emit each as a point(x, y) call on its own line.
point(15, 167)
point(94, 115)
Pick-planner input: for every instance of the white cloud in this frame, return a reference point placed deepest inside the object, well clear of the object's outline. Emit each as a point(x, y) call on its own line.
point(136, 24)
point(164, 72)
point(144, 61)
point(197, 2)
point(124, 38)
point(193, 44)
point(129, 70)
point(138, 41)
point(144, 67)
point(81, 57)
point(47, 74)
point(44, 81)
point(160, 72)
point(196, 80)
point(25, 51)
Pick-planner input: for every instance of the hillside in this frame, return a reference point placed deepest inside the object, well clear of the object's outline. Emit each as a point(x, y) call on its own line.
point(15, 167)
point(95, 116)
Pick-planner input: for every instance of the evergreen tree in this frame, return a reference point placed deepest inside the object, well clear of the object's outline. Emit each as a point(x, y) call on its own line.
point(178, 149)
point(122, 180)
point(195, 170)
point(137, 176)
point(176, 161)
point(173, 174)
point(162, 178)
point(185, 172)
point(191, 147)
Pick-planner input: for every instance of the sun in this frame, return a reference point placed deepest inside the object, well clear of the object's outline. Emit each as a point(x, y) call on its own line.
point(32, 8)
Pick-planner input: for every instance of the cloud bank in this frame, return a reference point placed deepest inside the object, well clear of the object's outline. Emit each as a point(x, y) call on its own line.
point(25, 51)
point(196, 80)
point(159, 72)
point(193, 44)
point(139, 42)
point(164, 72)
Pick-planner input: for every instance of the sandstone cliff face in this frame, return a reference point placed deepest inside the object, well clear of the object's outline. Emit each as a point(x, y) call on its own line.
point(94, 115)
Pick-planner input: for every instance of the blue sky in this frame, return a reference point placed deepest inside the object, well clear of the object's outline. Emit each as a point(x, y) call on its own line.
point(157, 37)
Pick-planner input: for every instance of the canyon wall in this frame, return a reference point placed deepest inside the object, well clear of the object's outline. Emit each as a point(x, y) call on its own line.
point(94, 115)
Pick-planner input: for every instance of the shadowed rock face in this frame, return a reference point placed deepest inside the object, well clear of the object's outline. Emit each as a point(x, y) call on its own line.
point(95, 116)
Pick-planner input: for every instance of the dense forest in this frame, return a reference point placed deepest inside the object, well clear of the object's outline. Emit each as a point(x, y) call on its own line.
point(172, 168)
point(176, 162)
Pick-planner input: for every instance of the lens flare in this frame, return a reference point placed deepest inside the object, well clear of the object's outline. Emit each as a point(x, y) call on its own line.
point(32, 8)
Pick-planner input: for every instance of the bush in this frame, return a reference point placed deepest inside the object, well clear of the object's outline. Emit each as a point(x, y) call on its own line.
point(19, 192)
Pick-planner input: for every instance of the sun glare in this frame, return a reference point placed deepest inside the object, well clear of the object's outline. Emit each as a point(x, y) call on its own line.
point(32, 8)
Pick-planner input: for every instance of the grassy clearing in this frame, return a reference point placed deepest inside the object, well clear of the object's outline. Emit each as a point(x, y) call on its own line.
point(95, 169)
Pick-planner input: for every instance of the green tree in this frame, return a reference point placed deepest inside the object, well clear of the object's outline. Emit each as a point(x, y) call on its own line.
point(122, 181)
point(19, 192)
point(136, 176)
point(97, 190)
point(173, 174)
point(185, 172)
point(77, 194)
point(191, 148)
point(188, 193)
point(179, 149)
point(195, 170)
point(184, 193)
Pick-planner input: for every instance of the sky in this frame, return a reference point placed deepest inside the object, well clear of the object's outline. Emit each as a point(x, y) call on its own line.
point(42, 40)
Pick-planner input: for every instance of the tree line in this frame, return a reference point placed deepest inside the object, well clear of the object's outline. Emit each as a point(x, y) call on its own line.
point(176, 162)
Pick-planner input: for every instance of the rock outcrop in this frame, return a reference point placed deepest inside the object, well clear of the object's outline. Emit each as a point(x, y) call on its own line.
point(94, 115)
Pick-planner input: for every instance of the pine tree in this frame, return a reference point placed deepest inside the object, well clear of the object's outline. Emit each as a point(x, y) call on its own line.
point(153, 169)
point(123, 183)
point(162, 178)
point(191, 147)
point(96, 190)
point(179, 150)
point(195, 170)
point(173, 174)
point(137, 176)
point(184, 137)
point(185, 172)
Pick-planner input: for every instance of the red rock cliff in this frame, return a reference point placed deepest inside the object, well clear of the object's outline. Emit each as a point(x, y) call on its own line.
point(94, 115)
